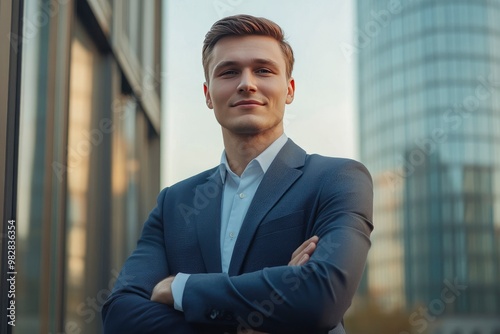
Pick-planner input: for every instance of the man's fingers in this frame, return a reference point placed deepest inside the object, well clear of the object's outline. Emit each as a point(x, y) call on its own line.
point(162, 292)
point(304, 252)
point(304, 246)
point(303, 259)
point(303, 256)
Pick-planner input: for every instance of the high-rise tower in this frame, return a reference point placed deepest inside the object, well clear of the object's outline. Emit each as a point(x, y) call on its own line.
point(429, 111)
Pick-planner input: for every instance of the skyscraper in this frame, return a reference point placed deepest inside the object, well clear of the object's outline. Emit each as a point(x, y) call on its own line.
point(429, 111)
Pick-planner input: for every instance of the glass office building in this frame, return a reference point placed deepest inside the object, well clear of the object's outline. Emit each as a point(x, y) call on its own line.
point(80, 145)
point(429, 116)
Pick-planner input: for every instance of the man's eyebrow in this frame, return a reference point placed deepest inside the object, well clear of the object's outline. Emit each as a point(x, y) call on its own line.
point(262, 61)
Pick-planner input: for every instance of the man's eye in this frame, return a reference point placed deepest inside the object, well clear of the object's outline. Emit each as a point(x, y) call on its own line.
point(229, 72)
point(263, 71)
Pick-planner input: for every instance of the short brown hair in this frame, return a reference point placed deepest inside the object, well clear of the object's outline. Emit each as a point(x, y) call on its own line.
point(244, 25)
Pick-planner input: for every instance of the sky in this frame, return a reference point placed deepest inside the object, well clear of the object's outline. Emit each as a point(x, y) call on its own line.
point(322, 118)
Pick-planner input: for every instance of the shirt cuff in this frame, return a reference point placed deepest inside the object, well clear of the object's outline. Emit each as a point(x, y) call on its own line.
point(178, 285)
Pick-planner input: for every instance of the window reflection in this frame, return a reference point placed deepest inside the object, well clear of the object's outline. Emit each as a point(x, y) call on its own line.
point(88, 198)
point(79, 150)
point(32, 156)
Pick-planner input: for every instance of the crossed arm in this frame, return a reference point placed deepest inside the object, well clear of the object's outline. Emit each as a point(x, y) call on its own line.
point(162, 317)
point(162, 292)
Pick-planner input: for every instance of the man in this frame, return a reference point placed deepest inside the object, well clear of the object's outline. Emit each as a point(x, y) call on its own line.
point(273, 240)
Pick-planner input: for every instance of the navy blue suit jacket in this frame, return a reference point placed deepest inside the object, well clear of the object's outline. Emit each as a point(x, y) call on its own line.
point(300, 196)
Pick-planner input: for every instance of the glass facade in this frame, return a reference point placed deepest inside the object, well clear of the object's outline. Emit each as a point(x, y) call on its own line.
point(10, 13)
point(88, 141)
point(429, 115)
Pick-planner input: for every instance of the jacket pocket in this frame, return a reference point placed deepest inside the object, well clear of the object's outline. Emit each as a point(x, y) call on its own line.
point(290, 221)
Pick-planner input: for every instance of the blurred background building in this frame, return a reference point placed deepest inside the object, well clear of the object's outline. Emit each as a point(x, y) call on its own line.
point(429, 116)
point(80, 105)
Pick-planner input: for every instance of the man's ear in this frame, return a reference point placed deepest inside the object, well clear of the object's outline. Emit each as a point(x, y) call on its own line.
point(207, 96)
point(290, 91)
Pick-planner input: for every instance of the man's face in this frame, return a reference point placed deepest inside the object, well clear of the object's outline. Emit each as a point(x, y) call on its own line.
point(248, 87)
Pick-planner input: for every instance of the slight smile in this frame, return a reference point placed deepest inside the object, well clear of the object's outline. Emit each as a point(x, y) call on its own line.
point(248, 103)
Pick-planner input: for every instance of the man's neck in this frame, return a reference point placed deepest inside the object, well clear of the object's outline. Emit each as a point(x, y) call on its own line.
point(241, 149)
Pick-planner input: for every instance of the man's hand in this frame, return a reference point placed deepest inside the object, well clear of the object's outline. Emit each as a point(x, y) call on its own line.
point(304, 252)
point(162, 292)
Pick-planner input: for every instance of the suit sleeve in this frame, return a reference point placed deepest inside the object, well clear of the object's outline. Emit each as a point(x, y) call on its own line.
point(311, 298)
point(129, 308)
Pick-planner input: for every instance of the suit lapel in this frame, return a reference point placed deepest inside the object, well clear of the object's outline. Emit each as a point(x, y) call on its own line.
point(279, 177)
point(207, 201)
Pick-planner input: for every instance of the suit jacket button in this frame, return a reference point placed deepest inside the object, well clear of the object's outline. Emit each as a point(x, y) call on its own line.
point(214, 314)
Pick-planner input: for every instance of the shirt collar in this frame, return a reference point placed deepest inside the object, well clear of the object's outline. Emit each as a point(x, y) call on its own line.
point(265, 159)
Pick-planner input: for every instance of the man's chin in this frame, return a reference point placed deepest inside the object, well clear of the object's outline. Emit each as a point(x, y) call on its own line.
point(252, 127)
point(252, 131)
point(246, 128)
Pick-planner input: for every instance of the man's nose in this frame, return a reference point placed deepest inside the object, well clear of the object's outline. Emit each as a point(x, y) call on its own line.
point(247, 81)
